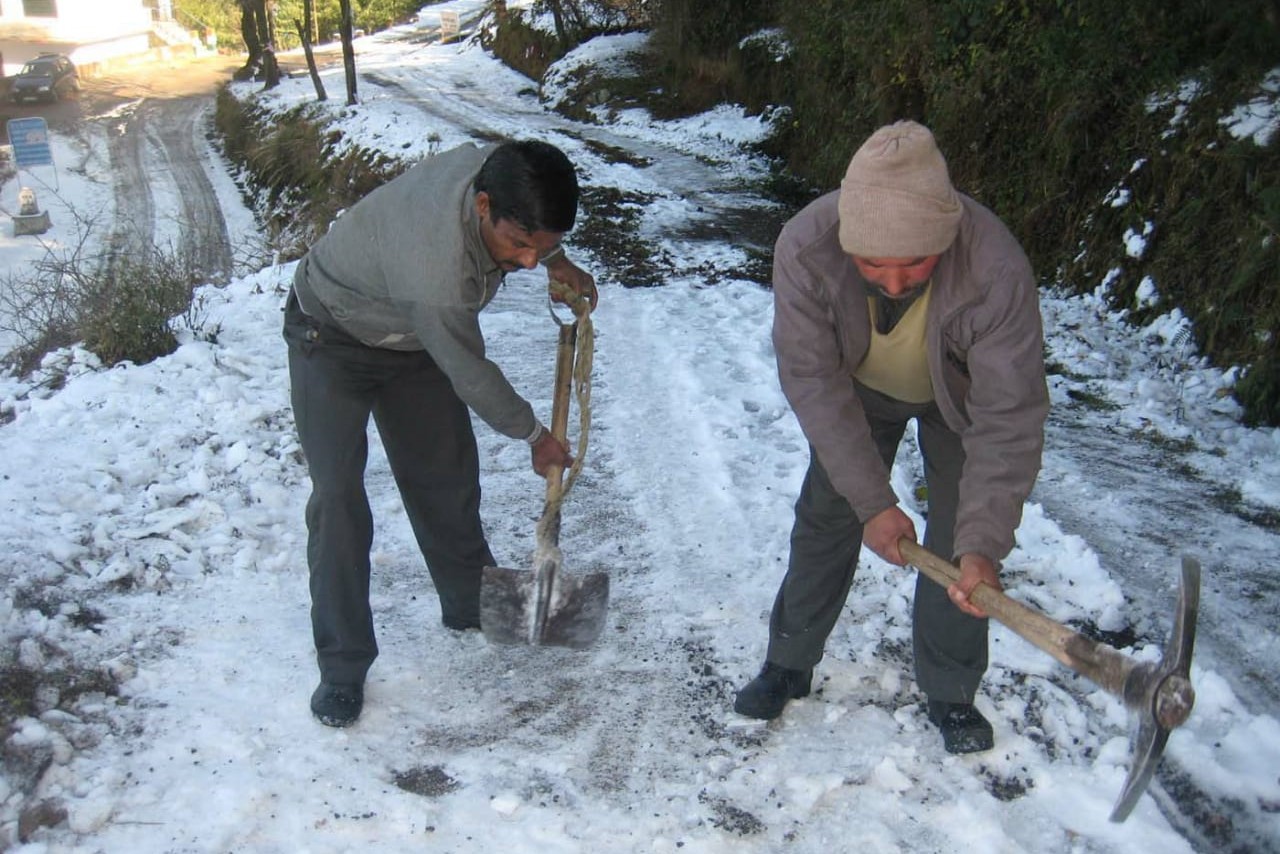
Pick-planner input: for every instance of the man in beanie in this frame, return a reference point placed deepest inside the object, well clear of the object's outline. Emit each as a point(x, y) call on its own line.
point(897, 298)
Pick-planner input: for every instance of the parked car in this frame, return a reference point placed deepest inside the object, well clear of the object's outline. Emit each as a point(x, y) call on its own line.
point(356, 33)
point(48, 77)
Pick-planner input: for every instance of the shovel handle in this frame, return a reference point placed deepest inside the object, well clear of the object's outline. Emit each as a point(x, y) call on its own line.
point(560, 403)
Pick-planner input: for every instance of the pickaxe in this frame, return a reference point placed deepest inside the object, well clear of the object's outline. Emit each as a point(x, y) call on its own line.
point(1160, 693)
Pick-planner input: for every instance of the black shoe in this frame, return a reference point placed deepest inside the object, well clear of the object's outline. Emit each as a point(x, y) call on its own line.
point(460, 624)
point(337, 705)
point(765, 696)
point(964, 729)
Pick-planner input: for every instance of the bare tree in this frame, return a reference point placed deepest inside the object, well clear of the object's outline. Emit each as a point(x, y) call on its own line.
point(267, 31)
point(348, 51)
point(576, 19)
point(305, 29)
point(557, 15)
point(249, 32)
point(257, 28)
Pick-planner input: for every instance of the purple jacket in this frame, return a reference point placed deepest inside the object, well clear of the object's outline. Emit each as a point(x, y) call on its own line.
point(986, 360)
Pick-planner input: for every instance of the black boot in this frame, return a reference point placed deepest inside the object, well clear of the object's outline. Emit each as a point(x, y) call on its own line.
point(337, 705)
point(765, 696)
point(964, 729)
point(460, 624)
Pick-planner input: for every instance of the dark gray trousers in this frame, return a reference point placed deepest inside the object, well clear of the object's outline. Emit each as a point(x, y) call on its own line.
point(336, 384)
point(950, 646)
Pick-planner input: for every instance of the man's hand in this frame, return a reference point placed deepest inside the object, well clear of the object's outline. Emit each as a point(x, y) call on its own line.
point(561, 269)
point(882, 532)
point(974, 570)
point(549, 451)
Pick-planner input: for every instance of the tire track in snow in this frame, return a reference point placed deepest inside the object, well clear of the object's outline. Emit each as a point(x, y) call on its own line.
point(685, 192)
point(135, 219)
point(204, 242)
point(163, 132)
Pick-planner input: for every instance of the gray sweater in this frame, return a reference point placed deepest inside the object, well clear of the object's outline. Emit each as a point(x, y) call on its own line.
point(405, 269)
point(986, 361)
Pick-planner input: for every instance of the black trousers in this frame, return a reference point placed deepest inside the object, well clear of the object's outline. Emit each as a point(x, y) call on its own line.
point(950, 646)
point(336, 384)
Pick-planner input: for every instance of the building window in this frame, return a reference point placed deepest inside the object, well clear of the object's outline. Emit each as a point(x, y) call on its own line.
point(40, 8)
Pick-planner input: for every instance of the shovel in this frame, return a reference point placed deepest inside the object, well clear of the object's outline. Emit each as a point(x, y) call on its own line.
point(545, 605)
point(1160, 693)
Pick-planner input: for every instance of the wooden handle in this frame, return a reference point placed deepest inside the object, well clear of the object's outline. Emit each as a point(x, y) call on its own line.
point(560, 403)
point(1104, 665)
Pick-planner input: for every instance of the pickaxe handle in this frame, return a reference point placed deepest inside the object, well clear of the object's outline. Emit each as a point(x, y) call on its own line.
point(1160, 693)
point(1102, 664)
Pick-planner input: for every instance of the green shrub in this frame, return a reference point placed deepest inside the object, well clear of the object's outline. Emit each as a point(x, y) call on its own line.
point(121, 306)
point(520, 46)
point(126, 314)
point(1259, 391)
point(700, 58)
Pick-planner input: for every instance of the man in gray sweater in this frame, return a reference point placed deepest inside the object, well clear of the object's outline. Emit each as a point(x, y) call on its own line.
point(898, 299)
point(383, 320)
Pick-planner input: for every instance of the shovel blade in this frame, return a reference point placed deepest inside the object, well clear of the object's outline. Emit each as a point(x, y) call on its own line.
point(576, 611)
point(527, 607)
point(508, 603)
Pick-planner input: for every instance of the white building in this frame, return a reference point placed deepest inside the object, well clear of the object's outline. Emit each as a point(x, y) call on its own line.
point(88, 31)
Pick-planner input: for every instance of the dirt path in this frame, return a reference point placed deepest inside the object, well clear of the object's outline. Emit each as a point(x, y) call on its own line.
point(157, 135)
point(152, 116)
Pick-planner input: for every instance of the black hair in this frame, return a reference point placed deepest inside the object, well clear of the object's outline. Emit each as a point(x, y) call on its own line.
point(531, 183)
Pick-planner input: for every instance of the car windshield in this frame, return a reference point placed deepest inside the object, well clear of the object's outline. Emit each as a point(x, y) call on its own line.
point(38, 69)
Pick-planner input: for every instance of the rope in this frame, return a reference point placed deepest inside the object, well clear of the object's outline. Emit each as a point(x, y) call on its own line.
point(584, 355)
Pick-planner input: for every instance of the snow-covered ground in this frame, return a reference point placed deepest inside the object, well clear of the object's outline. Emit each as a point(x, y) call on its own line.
point(152, 519)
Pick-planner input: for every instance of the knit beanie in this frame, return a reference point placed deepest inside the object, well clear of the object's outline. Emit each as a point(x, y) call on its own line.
point(896, 199)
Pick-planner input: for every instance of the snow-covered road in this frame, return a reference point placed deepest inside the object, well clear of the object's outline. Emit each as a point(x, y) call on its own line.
point(154, 523)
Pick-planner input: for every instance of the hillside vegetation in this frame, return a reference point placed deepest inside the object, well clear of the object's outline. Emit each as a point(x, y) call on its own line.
point(1083, 123)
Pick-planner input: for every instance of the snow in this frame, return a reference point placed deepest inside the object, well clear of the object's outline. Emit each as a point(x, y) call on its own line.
point(153, 527)
point(1258, 119)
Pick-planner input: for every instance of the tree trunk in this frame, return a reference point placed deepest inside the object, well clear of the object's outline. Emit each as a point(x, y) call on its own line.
point(249, 32)
point(304, 33)
point(270, 68)
point(348, 51)
point(309, 18)
point(557, 14)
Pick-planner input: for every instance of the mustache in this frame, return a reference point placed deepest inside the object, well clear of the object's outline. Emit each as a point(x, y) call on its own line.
point(907, 294)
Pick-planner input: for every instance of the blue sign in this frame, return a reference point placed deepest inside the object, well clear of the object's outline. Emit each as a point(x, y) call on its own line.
point(30, 140)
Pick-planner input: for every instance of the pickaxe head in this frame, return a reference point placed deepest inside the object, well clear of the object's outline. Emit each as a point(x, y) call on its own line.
point(1161, 693)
